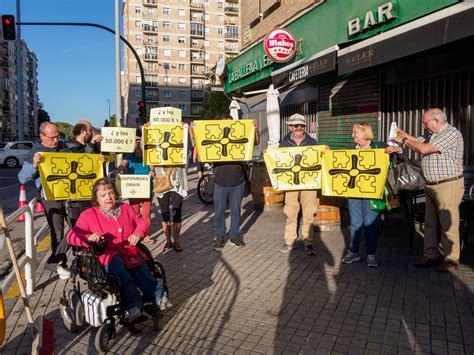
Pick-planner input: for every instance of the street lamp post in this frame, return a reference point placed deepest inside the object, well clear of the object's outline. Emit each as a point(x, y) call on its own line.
point(109, 108)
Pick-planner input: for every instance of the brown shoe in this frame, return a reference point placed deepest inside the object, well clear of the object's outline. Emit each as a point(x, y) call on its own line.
point(425, 262)
point(448, 266)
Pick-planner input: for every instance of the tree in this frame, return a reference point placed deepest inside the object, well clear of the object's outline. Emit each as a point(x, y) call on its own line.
point(43, 115)
point(214, 104)
point(65, 130)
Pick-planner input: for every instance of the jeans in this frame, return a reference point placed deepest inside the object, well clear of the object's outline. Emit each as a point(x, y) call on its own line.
point(232, 194)
point(133, 280)
point(362, 217)
point(55, 212)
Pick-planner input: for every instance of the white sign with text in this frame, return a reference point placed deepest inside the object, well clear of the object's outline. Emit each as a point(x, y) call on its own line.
point(118, 140)
point(133, 186)
point(165, 115)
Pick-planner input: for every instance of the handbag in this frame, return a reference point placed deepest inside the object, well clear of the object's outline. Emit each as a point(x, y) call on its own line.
point(162, 183)
point(386, 203)
point(405, 176)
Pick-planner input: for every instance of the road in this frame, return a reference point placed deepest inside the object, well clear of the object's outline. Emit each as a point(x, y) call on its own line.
point(10, 189)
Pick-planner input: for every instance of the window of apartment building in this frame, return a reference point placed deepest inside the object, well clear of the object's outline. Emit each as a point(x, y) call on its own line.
point(166, 24)
point(195, 43)
point(220, 4)
point(167, 93)
point(138, 9)
point(167, 52)
point(166, 11)
point(151, 80)
point(138, 93)
point(166, 38)
point(150, 11)
point(220, 30)
point(181, 40)
point(206, 17)
point(138, 23)
point(221, 18)
point(151, 39)
point(182, 107)
point(206, 29)
point(182, 80)
point(181, 12)
point(138, 37)
point(138, 79)
point(182, 54)
point(139, 50)
point(182, 94)
point(232, 31)
point(207, 69)
point(181, 26)
point(220, 44)
point(182, 66)
point(166, 66)
point(196, 68)
point(152, 66)
point(167, 79)
point(197, 29)
point(220, 56)
point(207, 56)
point(206, 3)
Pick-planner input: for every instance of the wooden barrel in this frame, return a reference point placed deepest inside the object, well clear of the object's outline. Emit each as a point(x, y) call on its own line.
point(328, 217)
point(265, 198)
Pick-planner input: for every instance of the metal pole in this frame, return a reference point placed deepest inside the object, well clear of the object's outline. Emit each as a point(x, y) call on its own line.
point(118, 94)
point(19, 77)
point(109, 108)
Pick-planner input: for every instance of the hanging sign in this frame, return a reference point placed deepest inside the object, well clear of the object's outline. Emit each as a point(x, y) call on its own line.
point(165, 144)
point(295, 168)
point(359, 173)
point(165, 115)
point(224, 140)
point(133, 186)
point(280, 45)
point(69, 176)
point(118, 140)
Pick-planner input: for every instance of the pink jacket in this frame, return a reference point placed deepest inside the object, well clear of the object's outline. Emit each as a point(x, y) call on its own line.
point(116, 231)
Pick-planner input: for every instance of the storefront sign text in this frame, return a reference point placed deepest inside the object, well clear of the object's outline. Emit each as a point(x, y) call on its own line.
point(280, 45)
point(249, 68)
point(374, 17)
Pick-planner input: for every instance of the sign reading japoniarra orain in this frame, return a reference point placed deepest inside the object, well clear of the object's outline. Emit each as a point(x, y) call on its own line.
point(133, 186)
point(165, 115)
point(280, 45)
point(118, 139)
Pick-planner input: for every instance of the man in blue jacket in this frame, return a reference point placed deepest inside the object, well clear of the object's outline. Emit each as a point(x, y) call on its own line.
point(293, 199)
point(54, 210)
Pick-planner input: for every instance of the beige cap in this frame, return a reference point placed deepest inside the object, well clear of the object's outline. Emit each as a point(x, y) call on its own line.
point(296, 118)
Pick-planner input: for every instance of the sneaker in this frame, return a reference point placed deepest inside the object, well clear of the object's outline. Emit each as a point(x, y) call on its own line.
point(237, 242)
point(350, 257)
point(309, 249)
point(219, 243)
point(371, 261)
point(286, 248)
point(164, 302)
point(133, 314)
point(63, 272)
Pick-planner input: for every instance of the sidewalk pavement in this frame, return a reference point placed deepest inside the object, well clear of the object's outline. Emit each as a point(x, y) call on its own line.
point(257, 300)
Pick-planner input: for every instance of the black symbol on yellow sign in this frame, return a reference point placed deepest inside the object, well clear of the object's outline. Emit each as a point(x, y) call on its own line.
point(354, 172)
point(297, 169)
point(72, 176)
point(224, 141)
point(165, 145)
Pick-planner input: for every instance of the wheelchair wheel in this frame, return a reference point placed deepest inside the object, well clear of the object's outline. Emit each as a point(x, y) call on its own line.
point(205, 189)
point(105, 337)
point(72, 312)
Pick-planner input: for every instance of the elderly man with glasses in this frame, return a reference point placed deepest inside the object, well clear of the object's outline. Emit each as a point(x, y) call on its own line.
point(441, 162)
point(293, 199)
point(54, 210)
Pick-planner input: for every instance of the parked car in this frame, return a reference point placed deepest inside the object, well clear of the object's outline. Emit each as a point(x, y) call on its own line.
point(12, 154)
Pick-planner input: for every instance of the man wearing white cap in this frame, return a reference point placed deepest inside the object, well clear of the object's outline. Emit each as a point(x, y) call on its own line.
point(293, 199)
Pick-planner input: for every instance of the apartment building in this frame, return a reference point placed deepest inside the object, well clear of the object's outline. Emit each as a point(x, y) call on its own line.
point(178, 42)
point(8, 92)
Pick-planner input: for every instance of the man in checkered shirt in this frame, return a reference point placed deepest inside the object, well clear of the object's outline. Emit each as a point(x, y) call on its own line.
point(442, 157)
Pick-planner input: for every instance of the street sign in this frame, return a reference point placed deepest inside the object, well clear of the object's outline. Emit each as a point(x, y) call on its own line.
point(217, 88)
point(118, 140)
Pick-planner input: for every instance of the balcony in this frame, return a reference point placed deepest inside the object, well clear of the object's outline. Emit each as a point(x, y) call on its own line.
point(196, 7)
point(153, 3)
point(197, 100)
point(231, 21)
point(195, 33)
point(150, 57)
point(231, 10)
point(198, 73)
point(149, 28)
point(197, 19)
point(232, 1)
point(198, 60)
point(232, 36)
point(231, 49)
point(197, 85)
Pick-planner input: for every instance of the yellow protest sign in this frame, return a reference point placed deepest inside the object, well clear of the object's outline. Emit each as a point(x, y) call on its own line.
point(160, 115)
point(118, 139)
point(224, 140)
point(69, 176)
point(295, 168)
point(359, 173)
point(165, 144)
point(133, 186)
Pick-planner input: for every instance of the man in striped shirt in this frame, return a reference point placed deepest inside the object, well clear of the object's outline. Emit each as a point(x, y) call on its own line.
point(442, 157)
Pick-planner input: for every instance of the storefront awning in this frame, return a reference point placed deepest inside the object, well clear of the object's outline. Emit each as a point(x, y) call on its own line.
point(448, 25)
point(319, 63)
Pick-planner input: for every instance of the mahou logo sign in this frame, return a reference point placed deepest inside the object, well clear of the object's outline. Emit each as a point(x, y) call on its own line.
point(280, 45)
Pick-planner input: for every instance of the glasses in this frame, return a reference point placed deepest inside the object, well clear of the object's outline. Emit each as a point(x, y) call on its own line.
point(52, 138)
point(298, 125)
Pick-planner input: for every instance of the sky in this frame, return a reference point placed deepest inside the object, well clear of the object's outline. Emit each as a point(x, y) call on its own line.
point(76, 65)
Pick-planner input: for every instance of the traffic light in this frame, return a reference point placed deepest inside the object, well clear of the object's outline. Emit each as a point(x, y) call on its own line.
point(8, 27)
point(142, 111)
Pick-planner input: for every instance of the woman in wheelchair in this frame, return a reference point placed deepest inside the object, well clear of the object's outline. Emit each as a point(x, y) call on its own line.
point(122, 228)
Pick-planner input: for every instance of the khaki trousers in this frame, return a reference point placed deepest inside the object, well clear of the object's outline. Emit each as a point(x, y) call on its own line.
point(308, 200)
point(442, 219)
